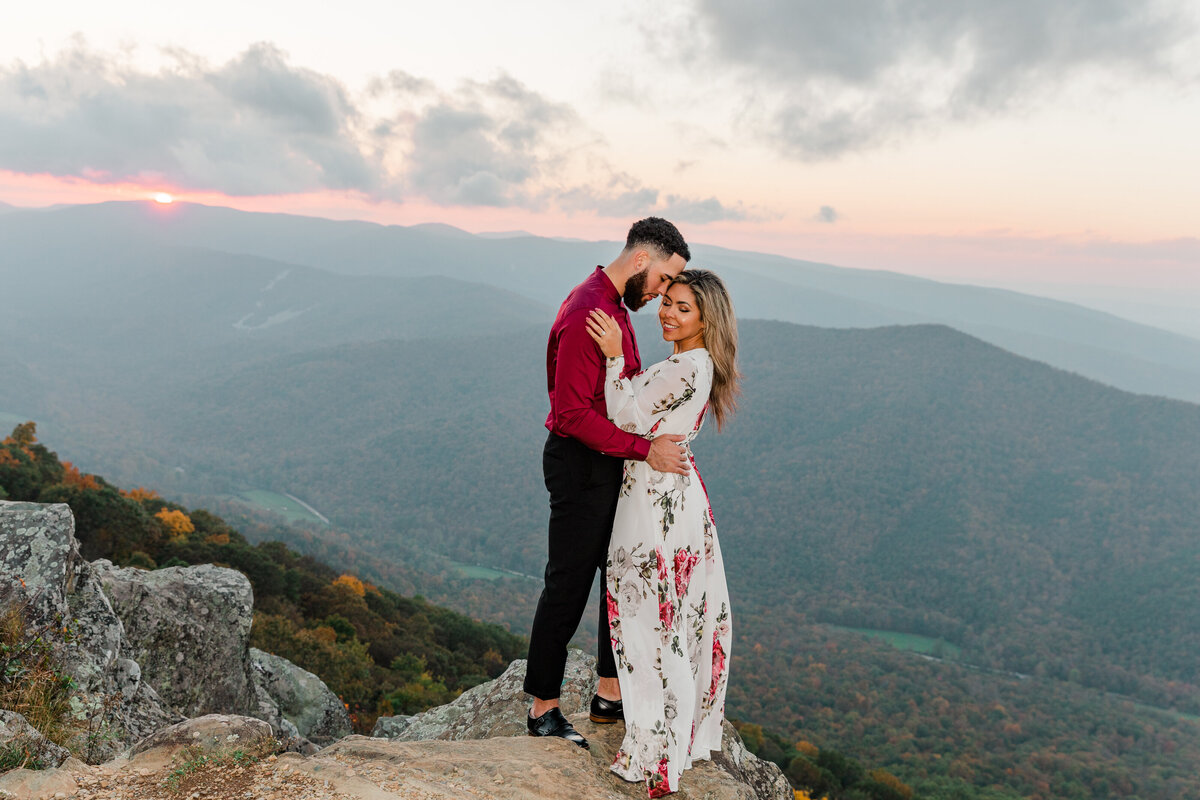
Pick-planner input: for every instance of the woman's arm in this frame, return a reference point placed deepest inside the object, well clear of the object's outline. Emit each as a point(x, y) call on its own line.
point(636, 405)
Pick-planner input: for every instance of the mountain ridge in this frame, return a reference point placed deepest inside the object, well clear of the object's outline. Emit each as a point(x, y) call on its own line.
point(763, 285)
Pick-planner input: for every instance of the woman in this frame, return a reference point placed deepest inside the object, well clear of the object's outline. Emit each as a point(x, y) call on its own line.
point(668, 604)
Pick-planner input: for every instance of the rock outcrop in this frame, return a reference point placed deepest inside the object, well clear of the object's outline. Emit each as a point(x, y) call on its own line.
point(18, 735)
point(498, 708)
point(189, 630)
point(183, 633)
point(40, 562)
point(151, 648)
point(301, 698)
point(209, 733)
point(390, 727)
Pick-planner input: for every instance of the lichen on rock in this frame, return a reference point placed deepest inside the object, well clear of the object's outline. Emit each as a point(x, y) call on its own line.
point(189, 630)
point(303, 699)
point(40, 561)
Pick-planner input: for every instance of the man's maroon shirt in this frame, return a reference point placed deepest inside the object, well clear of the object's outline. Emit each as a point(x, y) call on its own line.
point(575, 371)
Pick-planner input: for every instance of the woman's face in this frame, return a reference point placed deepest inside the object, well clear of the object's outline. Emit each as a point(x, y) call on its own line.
point(679, 317)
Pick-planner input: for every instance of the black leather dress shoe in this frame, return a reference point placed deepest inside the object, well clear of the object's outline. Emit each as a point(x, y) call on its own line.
point(553, 723)
point(605, 712)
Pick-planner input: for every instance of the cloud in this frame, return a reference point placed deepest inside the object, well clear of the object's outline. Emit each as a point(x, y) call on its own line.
point(700, 212)
point(259, 125)
point(487, 144)
point(624, 198)
point(831, 78)
point(826, 214)
point(255, 125)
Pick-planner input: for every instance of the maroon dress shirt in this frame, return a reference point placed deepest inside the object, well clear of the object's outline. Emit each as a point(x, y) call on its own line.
point(575, 371)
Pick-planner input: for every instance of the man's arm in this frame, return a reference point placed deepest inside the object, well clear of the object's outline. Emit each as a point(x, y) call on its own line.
point(574, 382)
point(578, 363)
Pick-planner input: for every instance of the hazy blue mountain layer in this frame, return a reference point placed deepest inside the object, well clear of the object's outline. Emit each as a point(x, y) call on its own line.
point(48, 246)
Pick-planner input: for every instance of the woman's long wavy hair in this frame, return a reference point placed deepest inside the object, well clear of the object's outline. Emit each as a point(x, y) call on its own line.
point(720, 338)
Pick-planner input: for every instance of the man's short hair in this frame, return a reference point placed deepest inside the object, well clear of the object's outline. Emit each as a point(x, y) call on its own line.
point(656, 233)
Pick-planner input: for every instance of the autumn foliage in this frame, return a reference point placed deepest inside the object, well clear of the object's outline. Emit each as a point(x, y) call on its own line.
point(177, 523)
point(353, 584)
point(23, 436)
point(73, 477)
point(141, 494)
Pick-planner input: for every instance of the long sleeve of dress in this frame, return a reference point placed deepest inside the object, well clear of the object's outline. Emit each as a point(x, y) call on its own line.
point(636, 404)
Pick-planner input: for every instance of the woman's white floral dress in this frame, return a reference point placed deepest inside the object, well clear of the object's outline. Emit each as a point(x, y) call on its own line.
point(668, 604)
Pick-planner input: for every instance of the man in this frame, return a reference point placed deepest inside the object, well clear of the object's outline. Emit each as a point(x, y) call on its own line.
point(583, 461)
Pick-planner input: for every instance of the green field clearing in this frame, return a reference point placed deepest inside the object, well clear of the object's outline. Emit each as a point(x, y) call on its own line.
point(480, 572)
point(1170, 712)
point(476, 571)
point(279, 504)
point(908, 641)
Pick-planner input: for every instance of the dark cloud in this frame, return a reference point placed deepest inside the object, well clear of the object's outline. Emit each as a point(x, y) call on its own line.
point(631, 200)
point(625, 197)
point(487, 144)
point(827, 214)
point(699, 212)
point(836, 77)
point(258, 125)
point(253, 126)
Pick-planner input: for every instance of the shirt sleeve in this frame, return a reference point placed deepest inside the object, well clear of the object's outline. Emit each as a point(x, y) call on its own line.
point(637, 404)
point(579, 361)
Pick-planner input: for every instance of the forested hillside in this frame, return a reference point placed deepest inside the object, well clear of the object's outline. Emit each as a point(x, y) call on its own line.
point(909, 479)
point(380, 652)
point(906, 479)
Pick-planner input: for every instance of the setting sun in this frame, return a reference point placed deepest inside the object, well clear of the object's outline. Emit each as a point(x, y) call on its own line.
point(164, 198)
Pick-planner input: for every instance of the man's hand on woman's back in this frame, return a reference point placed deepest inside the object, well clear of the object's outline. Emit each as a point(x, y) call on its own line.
point(667, 456)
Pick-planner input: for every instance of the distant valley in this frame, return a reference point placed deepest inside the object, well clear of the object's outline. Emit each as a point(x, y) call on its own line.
point(899, 463)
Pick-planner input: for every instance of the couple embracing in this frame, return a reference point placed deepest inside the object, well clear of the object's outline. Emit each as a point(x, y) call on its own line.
point(625, 499)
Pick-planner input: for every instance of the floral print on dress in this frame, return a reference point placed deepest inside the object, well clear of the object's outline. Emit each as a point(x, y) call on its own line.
point(668, 600)
point(685, 562)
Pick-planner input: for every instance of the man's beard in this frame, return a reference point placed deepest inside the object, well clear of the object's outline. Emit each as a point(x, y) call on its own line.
point(635, 290)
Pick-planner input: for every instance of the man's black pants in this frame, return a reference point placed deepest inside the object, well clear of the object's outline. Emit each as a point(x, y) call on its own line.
point(583, 487)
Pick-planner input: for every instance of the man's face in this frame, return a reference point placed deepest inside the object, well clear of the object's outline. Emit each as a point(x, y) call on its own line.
point(651, 282)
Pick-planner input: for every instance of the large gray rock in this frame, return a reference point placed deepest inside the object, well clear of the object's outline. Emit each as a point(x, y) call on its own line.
point(210, 733)
point(16, 732)
point(390, 727)
point(499, 707)
point(489, 751)
point(40, 566)
point(189, 630)
point(39, 559)
point(765, 778)
point(148, 648)
point(40, 550)
point(302, 698)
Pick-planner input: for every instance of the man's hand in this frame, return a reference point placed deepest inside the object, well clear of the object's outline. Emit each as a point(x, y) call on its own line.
point(666, 455)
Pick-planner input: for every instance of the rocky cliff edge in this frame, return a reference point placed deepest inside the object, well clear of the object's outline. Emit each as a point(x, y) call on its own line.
point(185, 727)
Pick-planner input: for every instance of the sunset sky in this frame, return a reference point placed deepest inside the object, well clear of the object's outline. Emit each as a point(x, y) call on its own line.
point(1020, 142)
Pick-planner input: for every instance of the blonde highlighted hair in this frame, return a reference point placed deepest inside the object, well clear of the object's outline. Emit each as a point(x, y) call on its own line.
point(720, 338)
